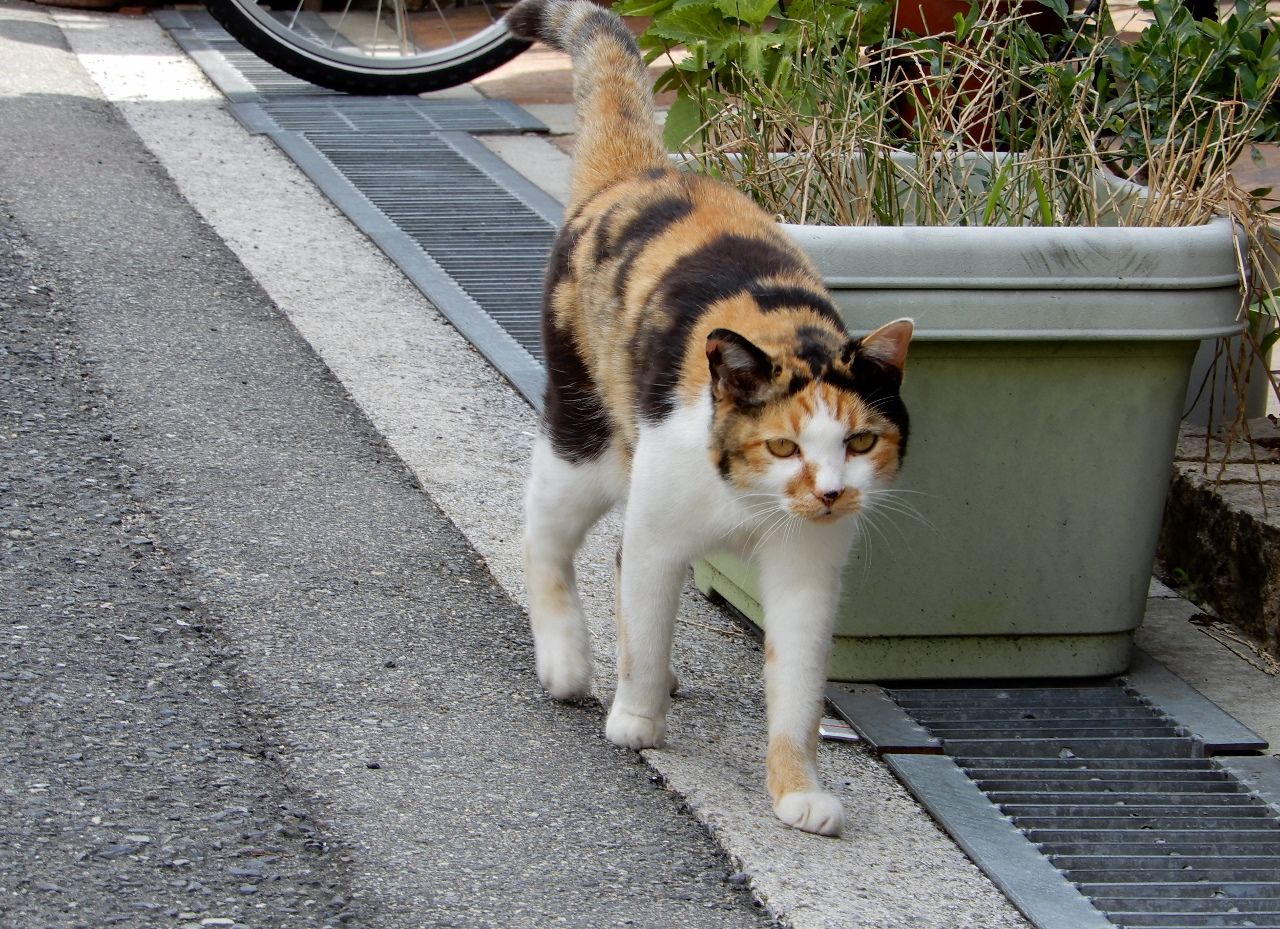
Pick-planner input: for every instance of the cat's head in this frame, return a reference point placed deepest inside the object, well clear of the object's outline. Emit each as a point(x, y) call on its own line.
point(814, 422)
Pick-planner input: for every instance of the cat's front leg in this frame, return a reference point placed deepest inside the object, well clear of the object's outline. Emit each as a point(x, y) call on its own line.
point(650, 577)
point(800, 586)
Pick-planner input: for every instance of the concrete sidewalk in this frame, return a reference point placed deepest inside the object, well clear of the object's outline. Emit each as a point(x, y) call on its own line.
point(466, 435)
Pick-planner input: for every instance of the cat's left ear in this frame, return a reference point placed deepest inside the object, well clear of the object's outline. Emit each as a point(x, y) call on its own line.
point(888, 344)
point(739, 368)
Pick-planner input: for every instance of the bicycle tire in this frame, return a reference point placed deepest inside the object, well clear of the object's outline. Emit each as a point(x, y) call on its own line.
point(311, 60)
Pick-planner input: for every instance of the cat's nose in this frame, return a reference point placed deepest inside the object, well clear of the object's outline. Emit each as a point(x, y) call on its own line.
point(829, 496)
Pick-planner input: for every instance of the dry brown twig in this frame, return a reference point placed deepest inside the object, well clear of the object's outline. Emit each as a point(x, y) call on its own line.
point(1229, 638)
point(729, 632)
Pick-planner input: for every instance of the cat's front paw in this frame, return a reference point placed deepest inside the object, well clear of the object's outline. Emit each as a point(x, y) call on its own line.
point(811, 811)
point(634, 731)
point(565, 673)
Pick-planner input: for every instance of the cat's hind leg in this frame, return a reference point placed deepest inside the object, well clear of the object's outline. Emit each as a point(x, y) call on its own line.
point(562, 502)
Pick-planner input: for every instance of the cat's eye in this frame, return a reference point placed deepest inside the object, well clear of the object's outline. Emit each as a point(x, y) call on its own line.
point(861, 442)
point(782, 448)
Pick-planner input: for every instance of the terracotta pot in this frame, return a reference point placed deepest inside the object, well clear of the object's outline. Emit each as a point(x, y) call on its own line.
point(937, 18)
point(934, 17)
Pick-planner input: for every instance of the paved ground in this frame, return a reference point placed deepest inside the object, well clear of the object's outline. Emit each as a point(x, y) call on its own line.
point(321, 480)
point(140, 781)
point(251, 672)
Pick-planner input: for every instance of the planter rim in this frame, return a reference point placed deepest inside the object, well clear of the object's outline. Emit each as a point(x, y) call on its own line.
point(1031, 284)
point(1206, 256)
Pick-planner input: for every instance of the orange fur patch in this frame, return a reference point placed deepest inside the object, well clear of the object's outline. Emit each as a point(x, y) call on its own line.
point(789, 765)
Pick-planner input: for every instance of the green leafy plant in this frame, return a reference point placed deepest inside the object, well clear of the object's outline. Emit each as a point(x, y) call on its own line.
point(825, 116)
point(1162, 87)
point(1183, 87)
point(730, 44)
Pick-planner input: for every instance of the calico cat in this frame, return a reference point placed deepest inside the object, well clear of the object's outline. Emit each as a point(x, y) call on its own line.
point(697, 370)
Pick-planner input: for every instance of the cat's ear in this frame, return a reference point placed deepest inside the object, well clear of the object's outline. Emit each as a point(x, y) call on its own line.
point(886, 346)
point(739, 369)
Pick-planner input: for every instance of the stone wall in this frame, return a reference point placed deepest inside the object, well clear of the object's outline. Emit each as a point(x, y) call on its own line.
point(1221, 535)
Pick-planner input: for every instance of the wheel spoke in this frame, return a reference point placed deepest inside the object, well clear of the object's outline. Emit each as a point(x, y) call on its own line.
point(337, 30)
point(402, 26)
point(444, 20)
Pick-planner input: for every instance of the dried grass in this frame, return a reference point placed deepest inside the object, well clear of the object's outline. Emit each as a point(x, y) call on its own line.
point(898, 138)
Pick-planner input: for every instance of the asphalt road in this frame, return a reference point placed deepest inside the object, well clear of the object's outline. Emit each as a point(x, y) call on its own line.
point(250, 674)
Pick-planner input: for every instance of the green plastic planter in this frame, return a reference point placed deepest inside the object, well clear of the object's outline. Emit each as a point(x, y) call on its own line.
point(1045, 385)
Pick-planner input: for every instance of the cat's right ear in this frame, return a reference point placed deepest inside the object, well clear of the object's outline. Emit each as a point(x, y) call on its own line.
point(888, 344)
point(739, 369)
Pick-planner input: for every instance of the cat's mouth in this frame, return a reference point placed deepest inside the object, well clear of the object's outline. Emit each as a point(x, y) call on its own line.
point(827, 513)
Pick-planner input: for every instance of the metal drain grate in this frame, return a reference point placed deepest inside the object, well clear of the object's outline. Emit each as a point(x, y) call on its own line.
point(484, 237)
point(234, 70)
point(385, 115)
point(470, 232)
point(467, 229)
point(1105, 784)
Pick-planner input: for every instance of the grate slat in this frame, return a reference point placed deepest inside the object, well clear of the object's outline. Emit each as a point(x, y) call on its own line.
point(1260, 822)
point(1161, 863)
point(1230, 805)
point(1200, 921)
point(1084, 747)
point(1129, 906)
point(1224, 872)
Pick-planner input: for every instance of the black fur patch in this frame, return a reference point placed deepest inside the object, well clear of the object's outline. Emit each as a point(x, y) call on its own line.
point(817, 348)
point(798, 383)
point(841, 381)
point(725, 465)
point(879, 385)
point(526, 18)
point(579, 428)
point(575, 420)
point(771, 299)
point(647, 224)
point(728, 265)
point(650, 222)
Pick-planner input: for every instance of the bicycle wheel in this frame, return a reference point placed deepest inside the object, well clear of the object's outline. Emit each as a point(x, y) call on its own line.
point(373, 46)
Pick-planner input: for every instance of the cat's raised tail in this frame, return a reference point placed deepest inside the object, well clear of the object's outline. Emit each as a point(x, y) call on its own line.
point(617, 134)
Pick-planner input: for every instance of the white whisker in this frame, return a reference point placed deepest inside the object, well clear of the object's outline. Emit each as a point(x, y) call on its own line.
point(862, 541)
point(890, 500)
point(779, 524)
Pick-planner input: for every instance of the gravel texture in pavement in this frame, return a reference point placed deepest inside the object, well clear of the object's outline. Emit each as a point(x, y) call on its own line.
point(139, 776)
